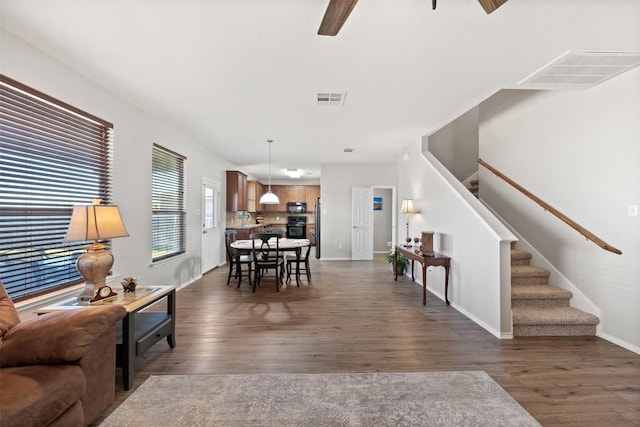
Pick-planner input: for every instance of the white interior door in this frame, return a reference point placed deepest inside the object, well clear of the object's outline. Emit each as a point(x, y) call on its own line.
point(362, 223)
point(210, 224)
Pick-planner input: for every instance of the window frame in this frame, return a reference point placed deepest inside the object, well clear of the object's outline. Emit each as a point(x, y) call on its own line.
point(52, 156)
point(168, 205)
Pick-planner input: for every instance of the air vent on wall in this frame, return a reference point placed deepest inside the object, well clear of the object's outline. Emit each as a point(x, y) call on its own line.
point(580, 70)
point(330, 98)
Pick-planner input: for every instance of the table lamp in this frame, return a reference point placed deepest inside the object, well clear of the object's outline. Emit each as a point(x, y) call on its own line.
point(407, 209)
point(94, 222)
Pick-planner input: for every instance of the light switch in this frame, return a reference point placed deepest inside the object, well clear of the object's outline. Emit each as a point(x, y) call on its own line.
point(633, 210)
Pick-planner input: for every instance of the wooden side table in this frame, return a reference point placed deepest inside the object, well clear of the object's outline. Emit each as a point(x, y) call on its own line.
point(139, 330)
point(426, 259)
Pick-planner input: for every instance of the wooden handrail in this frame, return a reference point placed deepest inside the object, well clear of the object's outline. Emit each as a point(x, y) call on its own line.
point(586, 233)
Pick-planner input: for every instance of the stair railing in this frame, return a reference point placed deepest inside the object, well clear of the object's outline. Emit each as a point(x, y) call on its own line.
point(590, 236)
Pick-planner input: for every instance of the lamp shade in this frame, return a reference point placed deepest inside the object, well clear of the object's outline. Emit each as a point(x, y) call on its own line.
point(95, 222)
point(269, 198)
point(407, 206)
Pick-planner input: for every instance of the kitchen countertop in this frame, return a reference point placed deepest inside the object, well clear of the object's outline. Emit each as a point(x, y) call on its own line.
point(244, 227)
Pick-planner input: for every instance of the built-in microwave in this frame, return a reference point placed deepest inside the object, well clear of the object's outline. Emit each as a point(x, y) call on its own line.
point(296, 207)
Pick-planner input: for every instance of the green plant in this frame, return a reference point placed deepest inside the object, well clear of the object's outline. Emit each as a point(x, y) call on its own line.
point(402, 261)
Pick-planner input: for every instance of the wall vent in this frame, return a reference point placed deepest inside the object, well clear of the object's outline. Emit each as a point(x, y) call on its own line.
point(348, 150)
point(330, 98)
point(580, 70)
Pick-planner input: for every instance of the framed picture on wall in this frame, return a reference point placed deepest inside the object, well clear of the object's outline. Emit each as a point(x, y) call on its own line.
point(377, 203)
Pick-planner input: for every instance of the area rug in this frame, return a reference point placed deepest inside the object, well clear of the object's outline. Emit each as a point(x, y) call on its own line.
point(366, 399)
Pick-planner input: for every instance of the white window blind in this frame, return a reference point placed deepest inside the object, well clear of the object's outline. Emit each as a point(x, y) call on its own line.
point(168, 200)
point(52, 156)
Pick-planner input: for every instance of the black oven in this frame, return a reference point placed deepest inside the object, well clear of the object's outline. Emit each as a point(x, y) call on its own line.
point(296, 207)
point(296, 227)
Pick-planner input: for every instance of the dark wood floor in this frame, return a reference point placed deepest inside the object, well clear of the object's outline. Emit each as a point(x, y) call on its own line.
point(354, 318)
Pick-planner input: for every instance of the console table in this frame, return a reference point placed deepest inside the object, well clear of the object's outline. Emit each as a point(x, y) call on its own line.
point(139, 329)
point(426, 259)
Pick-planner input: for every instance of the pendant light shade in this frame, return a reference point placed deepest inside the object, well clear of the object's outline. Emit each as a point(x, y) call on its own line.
point(269, 198)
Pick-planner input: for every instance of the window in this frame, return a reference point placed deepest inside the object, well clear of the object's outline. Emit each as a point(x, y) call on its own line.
point(52, 157)
point(168, 210)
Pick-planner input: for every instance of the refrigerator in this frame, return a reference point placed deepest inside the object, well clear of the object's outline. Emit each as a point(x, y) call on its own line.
point(316, 219)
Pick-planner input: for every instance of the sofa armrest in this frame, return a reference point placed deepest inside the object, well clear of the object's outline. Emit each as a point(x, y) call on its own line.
point(57, 337)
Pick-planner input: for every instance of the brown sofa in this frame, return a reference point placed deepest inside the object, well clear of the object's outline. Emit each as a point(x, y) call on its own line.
point(57, 369)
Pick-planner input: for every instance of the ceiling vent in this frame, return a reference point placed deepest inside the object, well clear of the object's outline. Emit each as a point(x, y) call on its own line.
point(580, 70)
point(330, 98)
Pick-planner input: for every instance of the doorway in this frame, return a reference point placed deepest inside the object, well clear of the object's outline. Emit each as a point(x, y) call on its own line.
point(210, 224)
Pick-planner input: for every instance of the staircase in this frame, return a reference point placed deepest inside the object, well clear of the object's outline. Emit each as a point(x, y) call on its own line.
point(474, 186)
point(540, 309)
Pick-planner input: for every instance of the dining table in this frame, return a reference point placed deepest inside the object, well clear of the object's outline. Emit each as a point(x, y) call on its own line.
point(284, 244)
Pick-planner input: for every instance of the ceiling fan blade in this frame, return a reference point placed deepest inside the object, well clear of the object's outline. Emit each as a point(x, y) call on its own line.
point(335, 16)
point(491, 5)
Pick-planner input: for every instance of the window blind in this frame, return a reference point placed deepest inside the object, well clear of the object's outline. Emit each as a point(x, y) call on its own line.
point(168, 204)
point(52, 156)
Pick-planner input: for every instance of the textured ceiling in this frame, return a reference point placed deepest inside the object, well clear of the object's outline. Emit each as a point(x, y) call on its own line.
point(234, 73)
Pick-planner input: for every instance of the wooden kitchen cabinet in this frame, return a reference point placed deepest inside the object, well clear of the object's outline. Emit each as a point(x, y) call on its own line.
point(236, 191)
point(312, 193)
point(280, 191)
point(255, 190)
point(296, 193)
point(288, 193)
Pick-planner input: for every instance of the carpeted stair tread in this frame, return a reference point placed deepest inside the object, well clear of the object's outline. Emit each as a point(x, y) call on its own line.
point(519, 257)
point(528, 271)
point(552, 316)
point(539, 291)
point(527, 275)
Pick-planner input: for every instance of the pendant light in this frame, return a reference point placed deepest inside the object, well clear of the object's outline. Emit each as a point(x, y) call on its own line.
point(269, 198)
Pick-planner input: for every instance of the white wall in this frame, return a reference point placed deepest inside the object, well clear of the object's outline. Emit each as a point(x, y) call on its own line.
point(580, 152)
point(134, 134)
point(456, 145)
point(478, 245)
point(335, 188)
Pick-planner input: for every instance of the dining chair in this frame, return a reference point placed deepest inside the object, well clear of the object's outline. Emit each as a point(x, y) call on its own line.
point(237, 259)
point(266, 256)
point(302, 264)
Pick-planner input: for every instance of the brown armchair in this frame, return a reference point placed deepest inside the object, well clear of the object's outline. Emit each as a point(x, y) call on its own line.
point(57, 369)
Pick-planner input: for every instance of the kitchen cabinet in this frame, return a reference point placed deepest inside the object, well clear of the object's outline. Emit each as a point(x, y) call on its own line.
point(275, 189)
point(296, 193)
point(312, 193)
point(288, 193)
point(255, 190)
point(236, 191)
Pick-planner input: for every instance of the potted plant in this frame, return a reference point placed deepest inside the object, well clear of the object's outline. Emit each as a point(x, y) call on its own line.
point(402, 261)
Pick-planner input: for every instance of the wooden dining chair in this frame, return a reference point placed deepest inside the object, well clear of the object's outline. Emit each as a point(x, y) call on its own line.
point(267, 256)
point(301, 265)
point(237, 259)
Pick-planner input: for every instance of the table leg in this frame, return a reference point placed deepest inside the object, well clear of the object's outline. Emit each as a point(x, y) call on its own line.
point(298, 253)
point(424, 284)
point(446, 282)
point(128, 350)
point(171, 311)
